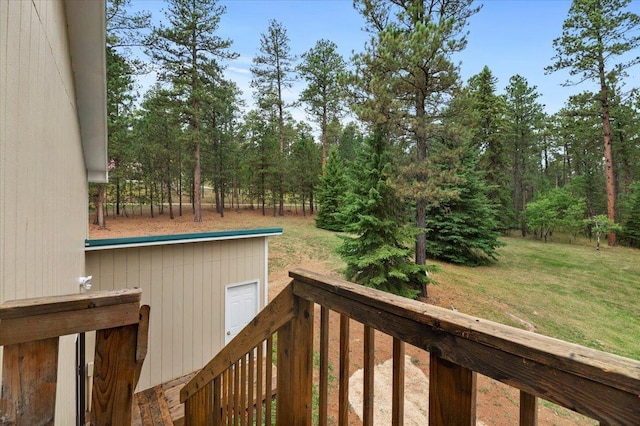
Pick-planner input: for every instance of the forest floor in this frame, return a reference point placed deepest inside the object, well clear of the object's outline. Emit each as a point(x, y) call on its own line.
point(304, 246)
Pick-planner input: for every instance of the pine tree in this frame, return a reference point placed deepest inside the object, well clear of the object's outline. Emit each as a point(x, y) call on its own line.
point(331, 194)
point(322, 67)
point(463, 230)
point(632, 224)
point(378, 256)
point(489, 140)
point(524, 116)
point(411, 76)
point(272, 73)
point(595, 35)
point(189, 50)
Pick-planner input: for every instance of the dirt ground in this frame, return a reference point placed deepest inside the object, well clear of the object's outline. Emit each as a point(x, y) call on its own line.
point(497, 404)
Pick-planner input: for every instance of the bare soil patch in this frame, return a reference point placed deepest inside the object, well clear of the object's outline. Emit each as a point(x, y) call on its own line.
point(497, 404)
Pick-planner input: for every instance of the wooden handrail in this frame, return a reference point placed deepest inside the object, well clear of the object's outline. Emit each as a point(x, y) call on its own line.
point(30, 331)
point(279, 312)
point(600, 385)
point(603, 386)
point(46, 317)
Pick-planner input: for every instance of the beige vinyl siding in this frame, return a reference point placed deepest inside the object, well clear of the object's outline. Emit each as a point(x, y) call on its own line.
point(43, 190)
point(185, 286)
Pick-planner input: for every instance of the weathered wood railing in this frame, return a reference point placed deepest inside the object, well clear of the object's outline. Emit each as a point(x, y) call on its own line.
point(602, 386)
point(30, 331)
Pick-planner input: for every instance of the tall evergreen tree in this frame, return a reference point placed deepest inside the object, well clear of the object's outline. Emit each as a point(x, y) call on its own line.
point(123, 30)
point(188, 50)
point(305, 168)
point(409, 58)
point(584, 169)
point(322, 67)
point(378, 256)
point(524, 115)
point(463, 229)
point(220, 112)
point(272, 73)
point(488, 111)
point(331, 192)
point(595, 35)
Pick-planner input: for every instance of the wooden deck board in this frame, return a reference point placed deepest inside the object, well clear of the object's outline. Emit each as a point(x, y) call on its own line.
point(161, 405)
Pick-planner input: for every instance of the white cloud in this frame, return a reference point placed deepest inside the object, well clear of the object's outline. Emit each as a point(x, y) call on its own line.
point(239, 70)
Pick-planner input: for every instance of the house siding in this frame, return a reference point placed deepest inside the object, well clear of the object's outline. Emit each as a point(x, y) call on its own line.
point(42, 173)
point(185, 286)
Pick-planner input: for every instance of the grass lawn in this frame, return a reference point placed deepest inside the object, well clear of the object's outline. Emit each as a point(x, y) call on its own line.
point(568, 291)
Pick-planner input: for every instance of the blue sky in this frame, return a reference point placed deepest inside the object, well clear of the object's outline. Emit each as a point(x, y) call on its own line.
point(509, 36)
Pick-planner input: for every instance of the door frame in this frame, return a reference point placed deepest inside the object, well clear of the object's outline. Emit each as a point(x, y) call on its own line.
point(227, 287)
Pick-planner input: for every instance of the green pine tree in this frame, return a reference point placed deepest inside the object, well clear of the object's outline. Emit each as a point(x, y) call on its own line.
point(464, 229)
point(378, 255)
point(331, 194)
point(631, 234)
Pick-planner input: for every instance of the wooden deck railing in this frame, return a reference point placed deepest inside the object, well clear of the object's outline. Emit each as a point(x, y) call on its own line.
point(602, 386)
point(30, 331)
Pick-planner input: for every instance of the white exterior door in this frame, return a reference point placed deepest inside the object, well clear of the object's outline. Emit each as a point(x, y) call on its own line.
point(241, 306)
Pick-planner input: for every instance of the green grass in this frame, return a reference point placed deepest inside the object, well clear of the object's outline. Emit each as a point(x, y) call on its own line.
point(568, 291)
point(565, 290)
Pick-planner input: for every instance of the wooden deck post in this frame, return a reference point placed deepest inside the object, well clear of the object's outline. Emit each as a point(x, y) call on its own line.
point(295, 367)
point(452, 394)
point(29, 378)
point(528, 409)
point(114, 375)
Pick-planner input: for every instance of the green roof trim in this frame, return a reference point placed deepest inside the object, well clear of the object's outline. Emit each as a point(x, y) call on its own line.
point(179, 238)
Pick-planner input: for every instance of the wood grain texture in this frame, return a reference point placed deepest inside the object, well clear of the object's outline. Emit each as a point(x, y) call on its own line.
point(528, 409)
point(114, 373)
point(452, 394)
point(267, 322)
point(397, 391)
point(606, 389)
point(67, 303)
point(43, 326)
point(608, 369)
point(142, 341)
point(323, 388)
point(369, 367)
point(295, 367)
point(343, 390)
point(268, 383)
point(29, 378)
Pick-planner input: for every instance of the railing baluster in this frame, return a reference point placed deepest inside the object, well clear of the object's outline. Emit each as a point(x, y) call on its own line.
point(268, 381)
point(237, 409)
point(323, 389)
point(250, 385)
point(244, 406)
point(343, 397)
point(217, 401)
point(259, 384)
point(226, 401)
point(369, 365)
point(452, 394)
point(397, 398)
point(528, 409)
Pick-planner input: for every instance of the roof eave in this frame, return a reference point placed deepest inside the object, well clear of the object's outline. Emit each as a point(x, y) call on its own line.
point(87, 31)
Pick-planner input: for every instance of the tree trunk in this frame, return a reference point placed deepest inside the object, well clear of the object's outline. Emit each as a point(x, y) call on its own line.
point(197, 196)
point(281, 137)
point(421, 202)
point(324, 137)
point(100, 220)
point(117, 196)
point(171, 216)
point(608, 152)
